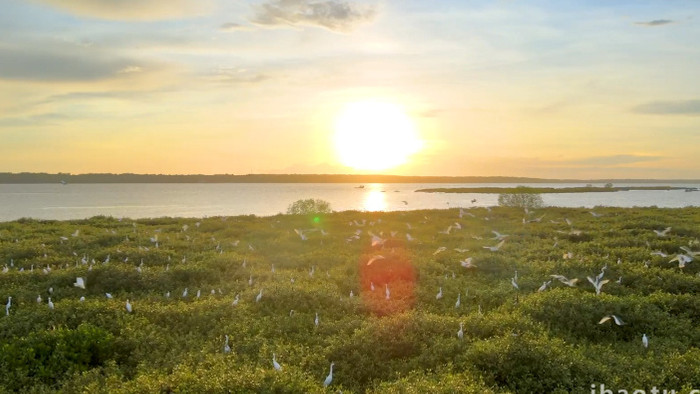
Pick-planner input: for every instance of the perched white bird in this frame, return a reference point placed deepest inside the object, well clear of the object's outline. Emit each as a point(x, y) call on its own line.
point(250, 281)
point(351, 294)
point(79, 282)
point(495, 248)
point(662, 233)
point(38, 299)
point(439, 294)
point(544, 286)
point(459, 300)
point(375, 258)
point(108, 295)
point(128, 306)
point(460, 333)
point(259, 296)
point(50, 303)
point(8, 305)
point(371, 286)
point(645, 341)
point(595, 214)
point(167, 294)
point(329, 378)
point(199, 293)
point(386, 290)
point(275, 364)
point(227, 348)
point(514, 283)
point(467, 263)
point(184, 293)
point(316, 320)
point(82, 299)
point(617, 320)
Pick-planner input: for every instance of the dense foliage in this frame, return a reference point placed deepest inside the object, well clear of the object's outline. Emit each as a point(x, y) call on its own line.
point(412, 286)
point(520, 200)
point(309, 206)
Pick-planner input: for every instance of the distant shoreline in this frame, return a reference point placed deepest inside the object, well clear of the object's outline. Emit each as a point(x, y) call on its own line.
point(31, 178)
point(538, 190)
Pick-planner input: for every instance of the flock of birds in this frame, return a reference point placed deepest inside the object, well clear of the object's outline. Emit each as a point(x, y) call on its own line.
point(379, 245)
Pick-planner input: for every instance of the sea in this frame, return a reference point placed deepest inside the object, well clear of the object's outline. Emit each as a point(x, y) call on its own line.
point(143, 200)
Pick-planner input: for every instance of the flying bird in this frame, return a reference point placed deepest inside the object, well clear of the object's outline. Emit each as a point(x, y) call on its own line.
point(467, 263)
point(495, 248)
point(662, 233)
point(564, 280)
point(375, 258)
point(79, 282)
point(617, 320)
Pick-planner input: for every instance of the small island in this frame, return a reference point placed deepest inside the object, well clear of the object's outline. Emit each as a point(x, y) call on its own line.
point(538, 190)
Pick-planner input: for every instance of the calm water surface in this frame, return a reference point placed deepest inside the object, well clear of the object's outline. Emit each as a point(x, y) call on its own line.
point(79, 201)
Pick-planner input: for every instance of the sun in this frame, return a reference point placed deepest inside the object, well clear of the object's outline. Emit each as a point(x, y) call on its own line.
point(375, 135)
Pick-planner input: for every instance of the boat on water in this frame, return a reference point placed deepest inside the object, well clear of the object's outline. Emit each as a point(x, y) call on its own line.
point(360, 187)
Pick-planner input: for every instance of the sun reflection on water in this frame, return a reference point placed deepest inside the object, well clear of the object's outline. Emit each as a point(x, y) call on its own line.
point(375, 199)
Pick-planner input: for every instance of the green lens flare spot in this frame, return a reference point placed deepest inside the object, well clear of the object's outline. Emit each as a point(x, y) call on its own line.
point(317, 219)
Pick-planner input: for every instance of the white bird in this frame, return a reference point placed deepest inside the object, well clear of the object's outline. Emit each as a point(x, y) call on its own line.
point(460, 333)
point(595, 214)
point(301, 234)
point(351, 294)
point(235, 300)
point(564, 280)
point(75, 234)
point(227, 348)
point(167, 295)
point(499, 236)
point(316, 320)
point(659, 253)
point(7, 307)
point(371, 286)
point(439, 294)
point(375, 258)
point(184, 293)
point(662, 233)
point(329, 378)
point(514, 283)
point(439, 250)
point(598, 283)
point(50, 303)
point(645, 341)
point(259, 296)
point(38, 299)
point(199, 293)
point(128, 306)
point(250, 281)
point(617, 320)
point(79, 282)
point(409, 238)
point(386, 290)
point(495, 248)
point(467, 263)
point(544, 286)
point(275, 364)
point(682, 260)
point(82, 299)
point(108, 295)
point(459, 300)
point(50, 290)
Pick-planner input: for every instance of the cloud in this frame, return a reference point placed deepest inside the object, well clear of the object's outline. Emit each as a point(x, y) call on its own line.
point(79, 65)
point(655, 22)
point(231, 26)
point(681, 107)
point(132, 9)
point(33, 120)
point(238, 76)
point(334, 15)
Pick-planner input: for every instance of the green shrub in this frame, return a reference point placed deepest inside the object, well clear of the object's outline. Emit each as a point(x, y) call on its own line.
point(309, 206)
point(520, 200)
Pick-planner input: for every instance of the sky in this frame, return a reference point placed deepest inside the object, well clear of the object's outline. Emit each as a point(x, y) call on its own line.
point(551, 89)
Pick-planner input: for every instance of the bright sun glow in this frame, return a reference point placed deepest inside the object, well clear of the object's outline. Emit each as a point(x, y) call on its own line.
point(374, 135)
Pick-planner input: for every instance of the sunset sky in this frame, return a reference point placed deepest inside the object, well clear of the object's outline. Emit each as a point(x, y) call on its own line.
point(554, 89)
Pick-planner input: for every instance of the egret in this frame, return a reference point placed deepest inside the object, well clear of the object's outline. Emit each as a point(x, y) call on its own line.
point(439, 250)
point(301, 234)
point(514, 283)
point(316, 320)
point(375, 258)
point(617, 320)
point(459, 300)
point(544, 286)
point(50, 303)
point(79, 282)
point(250, 281)
point(275, 364)
point(645, 340)
point(199, 293)
point(82, 299)
point(184, 293)
point(499, 236)
point(371, 286)
point(386, 290)
point(38, 299)
point(460, 333)
point(235, 300)
point(598, 283)
point(128, 306)
point(495, 248)
point(108, 295)
point(259, 296)
point(467, 263)
point(7, 307)
point(461, 250)
point(662, 233)
point(167, 295)
point(351, 294)
point(564, 280)
point(329, 378)
point(227, 348)
point(439, 294)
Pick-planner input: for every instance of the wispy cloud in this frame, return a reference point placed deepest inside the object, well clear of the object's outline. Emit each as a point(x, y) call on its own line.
point(32, 120)
point(655, 22)
point(231, 26)
point(680, 107)
point(132, 9)
point(612, 160)
point(340, 16)
point(47, 65)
